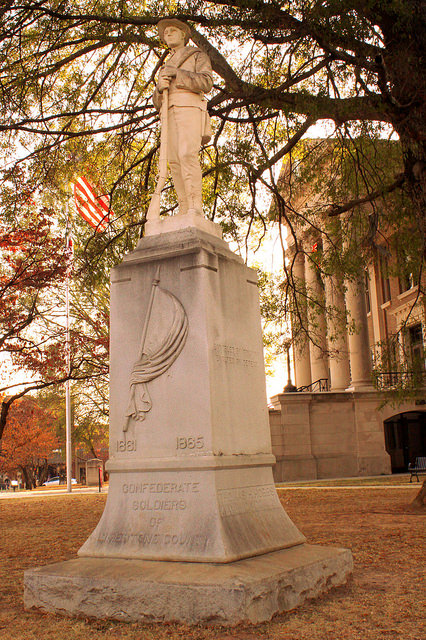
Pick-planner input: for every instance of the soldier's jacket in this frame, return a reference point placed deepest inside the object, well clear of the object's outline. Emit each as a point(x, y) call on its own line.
point(193, 79)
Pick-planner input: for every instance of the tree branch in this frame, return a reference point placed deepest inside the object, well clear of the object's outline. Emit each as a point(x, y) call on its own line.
point(310, 120)
point(337, 210)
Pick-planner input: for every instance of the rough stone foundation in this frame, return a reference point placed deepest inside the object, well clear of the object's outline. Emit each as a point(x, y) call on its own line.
point(250, 590)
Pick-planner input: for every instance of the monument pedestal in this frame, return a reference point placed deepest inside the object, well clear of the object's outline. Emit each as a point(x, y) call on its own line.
point(190, 451)
point(250, 590)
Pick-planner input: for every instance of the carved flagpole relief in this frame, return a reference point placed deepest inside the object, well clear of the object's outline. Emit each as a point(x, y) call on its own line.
point(163, 337)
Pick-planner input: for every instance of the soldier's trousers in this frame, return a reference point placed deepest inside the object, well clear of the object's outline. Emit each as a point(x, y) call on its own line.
point(184, 143)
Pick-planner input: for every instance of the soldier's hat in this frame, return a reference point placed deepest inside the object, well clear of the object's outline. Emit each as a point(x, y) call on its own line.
point(173, 22)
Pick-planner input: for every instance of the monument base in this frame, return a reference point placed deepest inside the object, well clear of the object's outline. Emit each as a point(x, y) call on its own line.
point(250, 590)
point(168, 224)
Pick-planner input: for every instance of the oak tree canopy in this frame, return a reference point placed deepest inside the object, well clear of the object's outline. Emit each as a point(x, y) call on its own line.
point(76, 80)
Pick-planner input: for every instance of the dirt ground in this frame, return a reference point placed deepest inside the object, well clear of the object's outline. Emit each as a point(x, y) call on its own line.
point(384, 599)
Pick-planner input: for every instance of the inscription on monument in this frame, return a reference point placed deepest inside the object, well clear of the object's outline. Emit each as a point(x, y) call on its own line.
point(159, 505)
point(126, 445)
point(233, 355)
point(160, 487)
point(241, 500)
point(198, 542)
point(157, 501)
point(191, 442)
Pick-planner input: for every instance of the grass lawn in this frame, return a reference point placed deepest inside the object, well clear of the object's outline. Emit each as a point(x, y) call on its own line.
point(382, 601)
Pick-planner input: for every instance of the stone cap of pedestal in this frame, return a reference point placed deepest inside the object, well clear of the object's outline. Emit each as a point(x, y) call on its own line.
point(192, 463)
point(184, 241)
point(167, 224)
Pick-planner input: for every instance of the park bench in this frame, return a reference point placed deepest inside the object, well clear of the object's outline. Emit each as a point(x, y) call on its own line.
point(419, 466)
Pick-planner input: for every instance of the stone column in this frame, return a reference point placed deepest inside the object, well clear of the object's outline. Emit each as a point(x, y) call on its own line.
point(317, 324)
point(336, 333)
point(358, 340)
point(379, 331)
point(302, 360)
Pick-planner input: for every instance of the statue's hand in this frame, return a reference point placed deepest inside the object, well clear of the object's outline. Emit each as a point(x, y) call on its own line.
point(167, 73)
point(163, 83)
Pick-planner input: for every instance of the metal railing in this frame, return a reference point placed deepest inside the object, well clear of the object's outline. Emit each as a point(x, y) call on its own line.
point(388, 380)
point(319, 385)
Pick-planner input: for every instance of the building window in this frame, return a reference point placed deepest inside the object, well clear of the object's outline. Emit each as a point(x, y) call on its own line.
point(407, 267)
point(406, 282)
point(415, 335)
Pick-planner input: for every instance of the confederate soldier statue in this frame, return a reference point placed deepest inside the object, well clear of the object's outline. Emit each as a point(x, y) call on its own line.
point(179, 96)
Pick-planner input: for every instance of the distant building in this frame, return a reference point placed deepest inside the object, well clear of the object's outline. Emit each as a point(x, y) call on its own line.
point(369, 338)
point(81, 455)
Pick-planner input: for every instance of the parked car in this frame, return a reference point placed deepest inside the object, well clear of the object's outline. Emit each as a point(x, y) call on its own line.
point(56, 480)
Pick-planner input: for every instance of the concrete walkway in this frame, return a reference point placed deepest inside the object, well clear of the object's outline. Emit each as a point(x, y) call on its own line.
point(397, 481)
point(281, 487)
point(59, 491)
point(400, 481)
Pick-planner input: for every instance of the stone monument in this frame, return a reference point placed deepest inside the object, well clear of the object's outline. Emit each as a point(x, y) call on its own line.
point(193, 529)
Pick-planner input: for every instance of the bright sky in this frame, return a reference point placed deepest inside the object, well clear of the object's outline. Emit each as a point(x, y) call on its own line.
point(270, 256)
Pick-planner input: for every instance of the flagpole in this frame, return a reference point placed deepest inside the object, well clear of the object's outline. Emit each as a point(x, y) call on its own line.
point(154, 206)
point(155, 283)
point(68, 445)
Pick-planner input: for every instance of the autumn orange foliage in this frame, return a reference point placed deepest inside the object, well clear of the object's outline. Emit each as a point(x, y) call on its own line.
point(33, 264)
point(28, 441)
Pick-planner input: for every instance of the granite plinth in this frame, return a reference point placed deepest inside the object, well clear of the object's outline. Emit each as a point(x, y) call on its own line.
point(191, 479)
point(250, 590)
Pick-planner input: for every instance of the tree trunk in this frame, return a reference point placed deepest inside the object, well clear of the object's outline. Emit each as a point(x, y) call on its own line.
point(420, 500)
point(415, 171)
point(28, 476)
point(42, 472)
point(5, 406)
point(402, 82)
point(27, 480)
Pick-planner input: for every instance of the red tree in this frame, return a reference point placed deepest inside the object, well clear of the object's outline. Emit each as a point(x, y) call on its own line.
point(28, 442)
point(32, 268)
